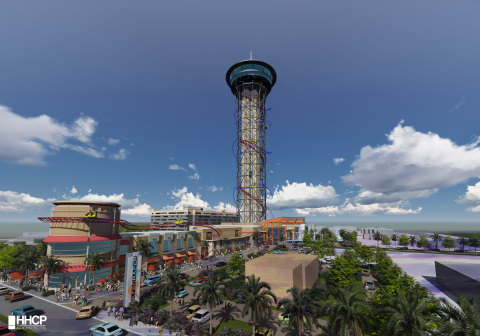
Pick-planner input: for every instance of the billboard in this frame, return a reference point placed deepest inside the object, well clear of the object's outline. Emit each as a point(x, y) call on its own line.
point(133, 277)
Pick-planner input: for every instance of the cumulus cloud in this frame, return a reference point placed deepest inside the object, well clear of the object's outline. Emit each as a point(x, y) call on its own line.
point(113, 142)
point(370, 197)
point(195, 176)
point(30, 140)
point(142, 210)
point(472, 197)
point(192, 166)
point(176, 167)
point(225, 207)
point(114, 198)
point(214, 188)
point(179, 192)
point(356, 209)
point(12, 201)
point(189, 199)
point(413, 165)
point(301, 195)
point(73, 190)
point(121, 155)
point(337, 161)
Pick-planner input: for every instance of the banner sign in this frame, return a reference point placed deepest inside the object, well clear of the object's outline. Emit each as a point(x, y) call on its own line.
point(133, 277)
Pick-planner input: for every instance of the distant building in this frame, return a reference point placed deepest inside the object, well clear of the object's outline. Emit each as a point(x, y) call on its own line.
point(368, 233)
point(27, 238)
point(191, 215)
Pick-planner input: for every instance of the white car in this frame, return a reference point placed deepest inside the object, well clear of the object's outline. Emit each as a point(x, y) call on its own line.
point(202, 316)
point(196, 283)
point(4, 290)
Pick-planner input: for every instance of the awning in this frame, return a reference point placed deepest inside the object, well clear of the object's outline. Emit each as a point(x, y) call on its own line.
point(124, 242)
point(181, 254)
point(192, 253)
point(167, 256)
point(81, 238)
point(153, 259)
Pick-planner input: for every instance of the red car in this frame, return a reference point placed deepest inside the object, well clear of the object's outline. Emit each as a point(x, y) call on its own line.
point(4, 331)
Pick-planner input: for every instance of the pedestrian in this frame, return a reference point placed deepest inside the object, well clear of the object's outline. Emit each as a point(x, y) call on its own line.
point(103, 306)
point(109, 311)
point(225, 303)
point(114, 311)
point(131, 321)
point(108, 303)
point(150, 324)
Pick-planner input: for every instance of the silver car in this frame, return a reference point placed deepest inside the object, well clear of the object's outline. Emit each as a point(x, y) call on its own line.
point(196, 283)
point(202, 316)
point(370, 285)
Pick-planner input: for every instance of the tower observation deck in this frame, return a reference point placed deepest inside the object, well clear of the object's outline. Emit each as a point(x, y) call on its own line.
point(251, 82)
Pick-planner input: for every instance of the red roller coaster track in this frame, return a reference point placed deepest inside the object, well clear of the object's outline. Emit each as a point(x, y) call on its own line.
point(125, 224)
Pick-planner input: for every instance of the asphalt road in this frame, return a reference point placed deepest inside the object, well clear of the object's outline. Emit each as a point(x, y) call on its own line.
point(60, 320)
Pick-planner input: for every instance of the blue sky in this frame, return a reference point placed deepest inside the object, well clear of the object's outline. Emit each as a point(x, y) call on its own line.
point(374, 116)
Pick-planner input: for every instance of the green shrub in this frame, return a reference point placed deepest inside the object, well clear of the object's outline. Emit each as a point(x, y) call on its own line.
point(48, 293)
point(222, 272)
point(27, 288)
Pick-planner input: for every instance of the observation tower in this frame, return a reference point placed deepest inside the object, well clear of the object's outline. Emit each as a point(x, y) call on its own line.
point(251, 82)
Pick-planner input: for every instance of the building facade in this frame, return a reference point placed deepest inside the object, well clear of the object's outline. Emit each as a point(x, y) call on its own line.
point(191, 215)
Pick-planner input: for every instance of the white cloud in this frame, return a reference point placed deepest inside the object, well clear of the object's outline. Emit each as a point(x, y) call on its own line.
point(338, 160)
point(214, 188)
point(459, 103)
point(195, 176)
point(74, 190)
point(121, 155)
point(179, 192)
point(472, 197)
point(142, 210)
point(176, 167)
point(192, 166)
point(12, 201)
point(370, 197)
point(271, 171)
point(413, 165)
point(189, 199)
point(114, 198)
point(227, 207)
point(30, 140)
point(113, 142)
point(359, 209)
point(301, 195)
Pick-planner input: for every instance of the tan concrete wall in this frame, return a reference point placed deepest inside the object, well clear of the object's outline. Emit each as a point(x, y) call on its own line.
point(298, 277)
point(310, 273)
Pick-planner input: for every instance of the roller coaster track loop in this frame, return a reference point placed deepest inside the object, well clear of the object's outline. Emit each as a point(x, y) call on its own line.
point(127, 225)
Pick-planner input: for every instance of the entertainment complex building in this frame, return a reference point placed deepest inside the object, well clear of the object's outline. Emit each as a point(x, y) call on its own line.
point(79, 229)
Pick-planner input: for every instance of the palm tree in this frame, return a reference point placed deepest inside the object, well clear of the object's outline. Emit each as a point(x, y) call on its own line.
point(325, 232)
point(460, 322)
point(258, 299)
point(463, 241)
point(394, 238)
point(348, 313)
point(42, 248)
point(407, 315)
point(50, 265)
point(377, 236)
point(94, 262)
point(302, 309)
point(28, 259)
point(210, 295)
point(412, 240)
point(473, 242)
point(436, 238)
point(170, 284)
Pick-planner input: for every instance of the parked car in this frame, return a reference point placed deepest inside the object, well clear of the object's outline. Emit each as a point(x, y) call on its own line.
point(86, 312)
point(240, 255)
point(196, 283)
point(434, 249)
point(202, 316)
point(4, 290)
point(402, 248)
point(283, 318)
point(152, 280)
point(370, 285)
point(365, 272)
point(14, 296)
point(4, 331)
point(277, 252)
point(262, 331)
point(192, 311)
point(105, 329)
point(24, 311)
point(460, 251)
point(295, 247)
point(221, 263)
point(182, 293)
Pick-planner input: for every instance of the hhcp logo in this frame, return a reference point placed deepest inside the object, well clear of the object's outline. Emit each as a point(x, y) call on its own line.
point(27, 322)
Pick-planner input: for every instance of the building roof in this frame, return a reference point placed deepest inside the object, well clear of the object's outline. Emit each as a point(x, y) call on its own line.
point(80, 238)
point(471, 270)
point(86, 203)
